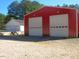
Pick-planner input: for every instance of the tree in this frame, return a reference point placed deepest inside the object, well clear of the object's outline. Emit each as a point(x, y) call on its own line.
point(76, 6)
point(58, 5)
point(2, 19)
point(7, 18)
point(13, 8)
point(65, 5)
point(18, 10)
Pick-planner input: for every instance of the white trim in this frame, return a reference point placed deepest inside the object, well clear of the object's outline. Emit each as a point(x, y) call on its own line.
point(76, 23)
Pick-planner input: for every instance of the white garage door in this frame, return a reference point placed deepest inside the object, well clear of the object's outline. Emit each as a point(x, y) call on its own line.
point(35, 26)
point(59, 25)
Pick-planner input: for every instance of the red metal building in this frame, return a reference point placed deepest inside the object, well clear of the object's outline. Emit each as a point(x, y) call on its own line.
point(78, 23)
point(52, 21)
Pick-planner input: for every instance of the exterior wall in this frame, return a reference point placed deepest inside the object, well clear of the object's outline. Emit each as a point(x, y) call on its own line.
point(22, 28)
point(78, 24)
point(12, 26)
point(46, 12)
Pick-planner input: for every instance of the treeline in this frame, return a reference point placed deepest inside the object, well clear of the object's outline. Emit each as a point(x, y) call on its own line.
point(70, 6)
point(2, 20)
point(18, 9)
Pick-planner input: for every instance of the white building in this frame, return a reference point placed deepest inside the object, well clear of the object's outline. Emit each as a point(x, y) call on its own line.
point(15, 25)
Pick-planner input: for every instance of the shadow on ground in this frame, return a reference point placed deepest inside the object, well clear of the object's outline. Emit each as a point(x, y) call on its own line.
point(30, 38)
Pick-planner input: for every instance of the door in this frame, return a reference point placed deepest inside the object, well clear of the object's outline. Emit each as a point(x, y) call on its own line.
point(59, 25)
point(35, 26)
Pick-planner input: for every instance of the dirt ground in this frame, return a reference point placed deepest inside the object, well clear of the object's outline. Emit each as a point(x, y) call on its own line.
point(50, 49)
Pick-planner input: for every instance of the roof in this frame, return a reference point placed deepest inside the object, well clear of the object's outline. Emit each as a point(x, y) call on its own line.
point(20, 22)
point(45, 8)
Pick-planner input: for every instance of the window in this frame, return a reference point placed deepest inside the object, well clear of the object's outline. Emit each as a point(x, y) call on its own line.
point(63, 26)
point(59, 26)
point(66, 26)
point(56, 26)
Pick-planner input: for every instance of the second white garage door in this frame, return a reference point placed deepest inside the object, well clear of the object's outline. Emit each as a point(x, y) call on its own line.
point(35, 26)
point(59, 25)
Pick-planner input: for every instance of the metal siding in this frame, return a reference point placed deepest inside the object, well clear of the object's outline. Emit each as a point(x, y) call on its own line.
point(72, 23)
point(48, 11)
point(78, 24)
point(45, 25)
point(26, 27)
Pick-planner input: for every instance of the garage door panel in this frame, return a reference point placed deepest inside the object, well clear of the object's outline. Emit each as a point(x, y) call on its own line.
point(35, 32)
point(59, 20)
point(59, 25)
point(35, 22)
point(58, 33)
point(35, 26)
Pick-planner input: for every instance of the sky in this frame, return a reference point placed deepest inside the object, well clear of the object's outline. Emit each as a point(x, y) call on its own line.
point(5, 3)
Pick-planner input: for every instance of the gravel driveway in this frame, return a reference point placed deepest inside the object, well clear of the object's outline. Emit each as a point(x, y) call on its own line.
point(51, 49)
